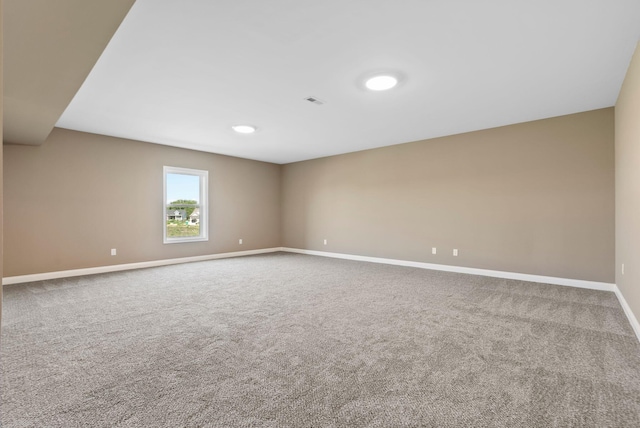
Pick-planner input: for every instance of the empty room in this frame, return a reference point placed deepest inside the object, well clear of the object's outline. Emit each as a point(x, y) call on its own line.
point(419, 213)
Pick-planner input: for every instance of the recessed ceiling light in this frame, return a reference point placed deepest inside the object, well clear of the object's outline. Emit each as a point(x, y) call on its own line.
point(381, 83)
point(244, 129)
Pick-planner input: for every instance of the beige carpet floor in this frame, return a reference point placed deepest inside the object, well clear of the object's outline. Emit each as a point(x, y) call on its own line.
point(287, 340)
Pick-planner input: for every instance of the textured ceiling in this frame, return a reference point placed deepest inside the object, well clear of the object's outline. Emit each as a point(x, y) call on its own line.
point(182, 73)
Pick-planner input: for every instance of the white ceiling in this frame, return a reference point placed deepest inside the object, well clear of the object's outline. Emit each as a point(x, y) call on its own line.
point(181, 73)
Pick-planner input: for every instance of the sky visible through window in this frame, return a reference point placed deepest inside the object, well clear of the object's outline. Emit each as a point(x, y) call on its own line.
point(182, 186)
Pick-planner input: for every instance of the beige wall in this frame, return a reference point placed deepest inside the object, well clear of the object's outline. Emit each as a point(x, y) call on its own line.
point(627, 146)
point(50, 48)
point(534, 198)
point(71, 200)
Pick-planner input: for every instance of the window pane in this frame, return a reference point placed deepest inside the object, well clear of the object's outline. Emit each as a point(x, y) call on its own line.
point(183, 187)
point(180, 224)
point(183, 205)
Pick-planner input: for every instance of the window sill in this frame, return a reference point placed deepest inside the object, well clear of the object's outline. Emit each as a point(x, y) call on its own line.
point(183, 240)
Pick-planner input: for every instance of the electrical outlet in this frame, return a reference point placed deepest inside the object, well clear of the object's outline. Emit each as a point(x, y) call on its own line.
point(113, 251)
point(455, 252)
point(240, 241)
point(325, 242)
point(434, 250)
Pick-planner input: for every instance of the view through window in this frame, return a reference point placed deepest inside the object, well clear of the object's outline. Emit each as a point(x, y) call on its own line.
point(185, 205)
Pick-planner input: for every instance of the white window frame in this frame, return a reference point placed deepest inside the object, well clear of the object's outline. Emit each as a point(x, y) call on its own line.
point(204, 204)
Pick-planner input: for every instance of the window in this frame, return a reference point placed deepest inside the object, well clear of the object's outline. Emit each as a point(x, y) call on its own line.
point(185, 211)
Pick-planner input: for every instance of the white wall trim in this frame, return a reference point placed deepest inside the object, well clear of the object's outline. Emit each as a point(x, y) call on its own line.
point(603, 286)
point(114, 268)
point(627, 310)
point(579, 283)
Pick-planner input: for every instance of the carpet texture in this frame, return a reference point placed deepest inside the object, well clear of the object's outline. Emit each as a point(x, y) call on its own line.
point(287, 340)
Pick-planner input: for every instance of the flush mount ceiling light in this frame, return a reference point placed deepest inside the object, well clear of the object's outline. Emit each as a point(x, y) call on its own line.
point(381, 82)
point(244, 129)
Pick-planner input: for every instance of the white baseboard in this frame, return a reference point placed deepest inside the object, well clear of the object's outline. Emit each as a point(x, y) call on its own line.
point(114, 268)
point(627, 310)
point(603, 286)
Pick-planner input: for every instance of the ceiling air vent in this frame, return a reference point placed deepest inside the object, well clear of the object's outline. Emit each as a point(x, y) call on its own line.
point(315, 100)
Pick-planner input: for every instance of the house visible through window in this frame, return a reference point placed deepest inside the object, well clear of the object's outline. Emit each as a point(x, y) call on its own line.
point(185, 205)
